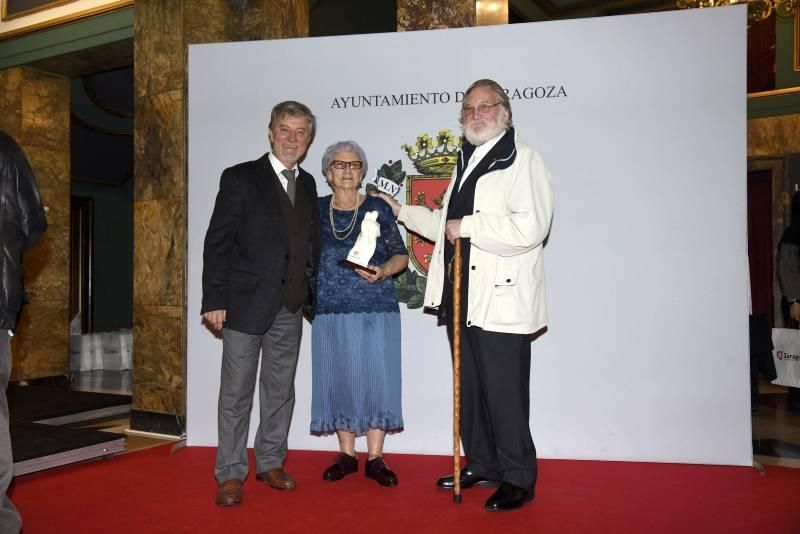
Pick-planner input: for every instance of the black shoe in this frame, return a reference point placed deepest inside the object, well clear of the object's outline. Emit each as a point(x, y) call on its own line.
point(508, 497)
point(468, 479)
point(376, 470)
point(344, 465)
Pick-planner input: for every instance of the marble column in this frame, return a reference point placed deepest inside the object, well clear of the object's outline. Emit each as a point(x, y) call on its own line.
point(770, 136)
point(434, 14)
point(438, 14)
point(34, 109)
point(163, 30)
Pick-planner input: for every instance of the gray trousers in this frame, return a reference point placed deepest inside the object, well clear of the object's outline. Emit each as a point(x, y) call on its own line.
point(279, 347)
point(10, 521)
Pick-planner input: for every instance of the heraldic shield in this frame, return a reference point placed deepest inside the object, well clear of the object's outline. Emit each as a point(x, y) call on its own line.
point(424, 191)
point(434, 158)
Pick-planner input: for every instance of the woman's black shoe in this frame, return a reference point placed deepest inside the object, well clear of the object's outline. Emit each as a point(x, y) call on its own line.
point(376, 470)
point(345, 464)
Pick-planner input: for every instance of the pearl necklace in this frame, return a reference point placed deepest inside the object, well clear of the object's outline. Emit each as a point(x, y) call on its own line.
point(350, 226)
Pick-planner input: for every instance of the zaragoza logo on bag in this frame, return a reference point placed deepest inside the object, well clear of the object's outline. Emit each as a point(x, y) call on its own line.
point(785, 356)
point(434, 158)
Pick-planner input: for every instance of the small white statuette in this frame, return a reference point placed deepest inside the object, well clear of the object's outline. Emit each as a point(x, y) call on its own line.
point(364, 248)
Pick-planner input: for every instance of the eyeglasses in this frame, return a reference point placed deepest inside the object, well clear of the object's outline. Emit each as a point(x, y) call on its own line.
point(481, 108)
point(339, 164)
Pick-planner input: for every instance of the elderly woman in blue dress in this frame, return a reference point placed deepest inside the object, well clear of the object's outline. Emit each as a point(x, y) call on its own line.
point(356, 333)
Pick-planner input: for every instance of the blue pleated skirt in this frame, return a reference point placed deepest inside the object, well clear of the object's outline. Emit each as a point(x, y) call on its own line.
point(356, 380)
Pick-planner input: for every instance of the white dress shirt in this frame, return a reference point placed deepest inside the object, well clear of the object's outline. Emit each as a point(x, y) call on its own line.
point(279, 168)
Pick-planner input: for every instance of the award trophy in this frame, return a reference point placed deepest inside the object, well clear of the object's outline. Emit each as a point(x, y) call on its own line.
point(387, 180)
point(364, 248)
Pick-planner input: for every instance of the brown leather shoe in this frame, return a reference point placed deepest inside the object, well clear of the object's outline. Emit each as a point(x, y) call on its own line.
point(277, 478)
point(229, 493)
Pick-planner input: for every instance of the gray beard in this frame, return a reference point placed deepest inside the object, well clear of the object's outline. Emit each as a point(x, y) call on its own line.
point(478, 139)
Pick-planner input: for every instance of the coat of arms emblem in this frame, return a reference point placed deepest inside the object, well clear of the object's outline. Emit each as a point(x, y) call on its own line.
point(434, 158)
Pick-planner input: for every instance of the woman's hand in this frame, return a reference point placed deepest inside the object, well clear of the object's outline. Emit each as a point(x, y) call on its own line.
point(395, 205)
point(395, 265)
point(380, 273)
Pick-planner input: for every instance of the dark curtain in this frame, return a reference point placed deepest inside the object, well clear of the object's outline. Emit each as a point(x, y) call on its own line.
point(759, 241)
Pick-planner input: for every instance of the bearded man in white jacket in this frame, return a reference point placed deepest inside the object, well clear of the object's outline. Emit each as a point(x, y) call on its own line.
point(500, 203)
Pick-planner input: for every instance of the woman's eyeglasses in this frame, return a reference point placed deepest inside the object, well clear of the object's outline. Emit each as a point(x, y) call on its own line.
point(338, 164)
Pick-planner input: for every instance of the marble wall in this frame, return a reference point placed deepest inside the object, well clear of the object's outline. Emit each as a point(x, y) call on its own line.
point(34, 109)
point(770, 142)
point(770, 136)
point(434, 14)
point(163, 29)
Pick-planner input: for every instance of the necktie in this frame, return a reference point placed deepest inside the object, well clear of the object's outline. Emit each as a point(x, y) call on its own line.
point(291, 184)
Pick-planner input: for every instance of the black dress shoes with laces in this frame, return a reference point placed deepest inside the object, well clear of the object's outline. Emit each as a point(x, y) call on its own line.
point(508, 497)
point(468, 479)
point(376, 470)
point(344, 465)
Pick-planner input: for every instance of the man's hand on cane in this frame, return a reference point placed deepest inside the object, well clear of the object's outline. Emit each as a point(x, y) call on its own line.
point(452, 230)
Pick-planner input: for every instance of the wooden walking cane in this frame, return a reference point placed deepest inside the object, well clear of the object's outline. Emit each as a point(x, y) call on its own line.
point(457, 373)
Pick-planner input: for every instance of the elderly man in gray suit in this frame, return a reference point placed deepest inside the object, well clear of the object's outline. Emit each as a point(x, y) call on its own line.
point(259, 277)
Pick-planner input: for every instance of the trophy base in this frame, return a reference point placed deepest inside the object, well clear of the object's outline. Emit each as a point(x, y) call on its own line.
point(350, 265)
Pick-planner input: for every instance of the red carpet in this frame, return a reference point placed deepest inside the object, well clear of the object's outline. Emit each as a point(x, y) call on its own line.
point(159, 491)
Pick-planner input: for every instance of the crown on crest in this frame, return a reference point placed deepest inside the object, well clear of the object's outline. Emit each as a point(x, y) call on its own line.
point(434, 155)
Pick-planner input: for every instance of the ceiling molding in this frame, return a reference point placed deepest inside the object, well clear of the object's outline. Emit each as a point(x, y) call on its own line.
point(94, 127)
point(72, 17)
point(91, 93)
point(562, 10)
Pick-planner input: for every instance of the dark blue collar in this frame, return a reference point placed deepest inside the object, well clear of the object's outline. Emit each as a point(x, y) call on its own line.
point(501, 155)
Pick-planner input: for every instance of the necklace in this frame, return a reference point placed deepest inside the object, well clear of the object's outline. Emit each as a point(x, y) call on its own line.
point(350, 226)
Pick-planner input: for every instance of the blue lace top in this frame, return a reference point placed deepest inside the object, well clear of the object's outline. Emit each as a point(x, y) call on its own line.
point(340, 289)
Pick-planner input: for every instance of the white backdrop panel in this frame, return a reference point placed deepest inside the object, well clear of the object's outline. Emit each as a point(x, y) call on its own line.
point(646, 356)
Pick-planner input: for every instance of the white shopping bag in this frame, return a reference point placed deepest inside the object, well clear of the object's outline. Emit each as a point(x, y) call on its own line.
point(787, 356)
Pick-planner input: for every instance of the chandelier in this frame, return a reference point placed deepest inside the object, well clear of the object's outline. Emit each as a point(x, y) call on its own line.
point(756, 9)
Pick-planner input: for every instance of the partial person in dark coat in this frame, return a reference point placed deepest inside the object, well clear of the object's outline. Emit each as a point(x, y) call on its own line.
point(789, 279)
point(259, 275)
point(22, 222)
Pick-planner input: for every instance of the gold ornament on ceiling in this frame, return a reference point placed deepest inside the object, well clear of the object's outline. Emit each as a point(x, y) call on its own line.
point(757, 10)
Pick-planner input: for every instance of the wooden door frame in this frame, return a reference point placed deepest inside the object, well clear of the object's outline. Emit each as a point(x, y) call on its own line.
point(781, 207)
point(82, 261)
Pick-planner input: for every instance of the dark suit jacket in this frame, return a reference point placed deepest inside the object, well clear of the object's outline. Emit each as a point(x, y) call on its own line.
point(245, 255)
